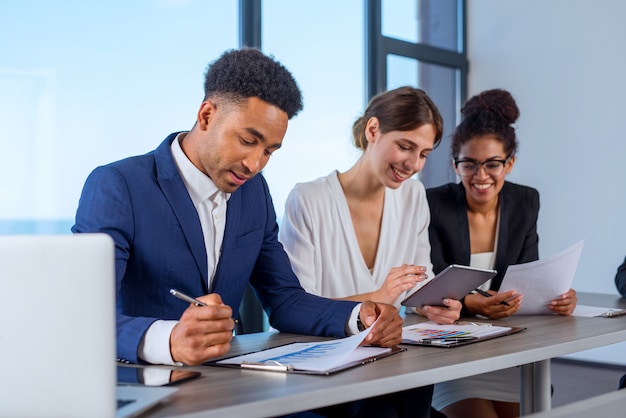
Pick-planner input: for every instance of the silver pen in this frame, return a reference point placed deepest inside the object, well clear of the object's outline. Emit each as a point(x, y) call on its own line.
point(270, 366)
point(180, 295)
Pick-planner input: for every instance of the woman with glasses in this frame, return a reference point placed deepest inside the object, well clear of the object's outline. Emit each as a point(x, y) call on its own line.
point(487, 222)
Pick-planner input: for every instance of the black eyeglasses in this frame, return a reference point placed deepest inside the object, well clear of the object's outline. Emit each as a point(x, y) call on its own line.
point(468, 168)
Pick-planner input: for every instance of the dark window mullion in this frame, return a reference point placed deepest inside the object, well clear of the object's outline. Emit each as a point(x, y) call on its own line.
point(424, 53)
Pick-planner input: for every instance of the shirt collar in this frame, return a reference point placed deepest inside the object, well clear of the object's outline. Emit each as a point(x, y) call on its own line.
point(199, 185)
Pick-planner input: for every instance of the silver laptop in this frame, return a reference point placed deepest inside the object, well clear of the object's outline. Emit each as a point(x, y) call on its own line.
point(57, 331)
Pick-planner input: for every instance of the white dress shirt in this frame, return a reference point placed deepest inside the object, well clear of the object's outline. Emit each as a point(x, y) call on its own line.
point(211, 204)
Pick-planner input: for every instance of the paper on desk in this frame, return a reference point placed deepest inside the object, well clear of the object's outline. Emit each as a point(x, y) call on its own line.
point(315, 356)
point(592, 311)
point(543, 280)
point(431, 330)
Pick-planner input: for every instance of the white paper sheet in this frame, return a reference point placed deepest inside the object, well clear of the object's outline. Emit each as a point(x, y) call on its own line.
point(593, 311)
point(543, 280)
point(316, 357)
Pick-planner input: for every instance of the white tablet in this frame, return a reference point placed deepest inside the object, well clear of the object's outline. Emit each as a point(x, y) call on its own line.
point(454, 282)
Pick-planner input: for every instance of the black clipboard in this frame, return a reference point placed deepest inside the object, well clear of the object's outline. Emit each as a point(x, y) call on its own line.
point(275, 366)
point(454, 282)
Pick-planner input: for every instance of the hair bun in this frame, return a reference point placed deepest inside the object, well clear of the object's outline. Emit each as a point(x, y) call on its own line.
point(497, 101)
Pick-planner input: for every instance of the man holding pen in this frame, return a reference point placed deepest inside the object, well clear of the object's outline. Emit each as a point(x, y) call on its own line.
point(193, 215)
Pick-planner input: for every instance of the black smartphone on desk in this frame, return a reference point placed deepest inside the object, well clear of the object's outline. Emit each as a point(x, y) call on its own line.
point(154, 376)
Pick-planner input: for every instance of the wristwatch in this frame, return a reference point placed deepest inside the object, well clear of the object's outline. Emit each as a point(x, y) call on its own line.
point(359, 323)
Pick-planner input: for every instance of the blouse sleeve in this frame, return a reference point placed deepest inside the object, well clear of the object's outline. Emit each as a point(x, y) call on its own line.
point(296, 234)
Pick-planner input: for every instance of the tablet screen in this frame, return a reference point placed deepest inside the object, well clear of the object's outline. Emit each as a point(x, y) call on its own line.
point(454, 282)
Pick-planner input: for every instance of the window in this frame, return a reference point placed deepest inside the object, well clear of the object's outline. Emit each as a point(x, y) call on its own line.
point(420, 43)
point(86, 83)
point(321, 43)
point(89, 83)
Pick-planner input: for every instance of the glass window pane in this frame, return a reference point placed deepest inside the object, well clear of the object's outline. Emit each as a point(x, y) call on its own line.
point(401, 71)
point(431, 22)
point(399, 20)
point(321, 43)
point(90, 82)
point(442, 85)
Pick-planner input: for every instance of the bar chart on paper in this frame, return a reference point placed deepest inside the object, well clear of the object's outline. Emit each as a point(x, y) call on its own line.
point(452, 335)
point(320, 357)
point(429, 333)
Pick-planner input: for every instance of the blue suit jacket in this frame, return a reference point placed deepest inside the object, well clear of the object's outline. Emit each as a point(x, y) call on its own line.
point(143, 204)
point(518, 241)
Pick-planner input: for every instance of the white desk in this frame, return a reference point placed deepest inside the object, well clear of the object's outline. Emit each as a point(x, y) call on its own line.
point(231, 392)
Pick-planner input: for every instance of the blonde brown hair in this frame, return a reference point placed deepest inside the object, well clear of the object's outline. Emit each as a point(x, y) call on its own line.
point(401, 109)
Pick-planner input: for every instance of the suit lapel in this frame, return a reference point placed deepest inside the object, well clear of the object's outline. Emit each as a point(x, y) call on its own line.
point(503, 238)
point(464, 247)
point(176, 193)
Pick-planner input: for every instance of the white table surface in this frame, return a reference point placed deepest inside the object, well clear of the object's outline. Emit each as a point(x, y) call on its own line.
point(234, 392)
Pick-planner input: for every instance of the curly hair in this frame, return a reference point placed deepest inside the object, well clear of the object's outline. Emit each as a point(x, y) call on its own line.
point(401, 109)
point(239, 74)
point(491, 112)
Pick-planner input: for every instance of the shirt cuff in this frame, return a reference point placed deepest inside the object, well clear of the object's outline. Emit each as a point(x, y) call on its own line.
point(155, 344)
point(351, 327)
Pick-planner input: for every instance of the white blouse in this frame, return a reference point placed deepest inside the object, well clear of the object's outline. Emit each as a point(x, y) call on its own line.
point(486, 260)
point(319, 237)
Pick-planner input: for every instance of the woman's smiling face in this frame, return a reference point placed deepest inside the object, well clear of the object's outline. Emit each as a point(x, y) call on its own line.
point(484, 186)
point(398, 155)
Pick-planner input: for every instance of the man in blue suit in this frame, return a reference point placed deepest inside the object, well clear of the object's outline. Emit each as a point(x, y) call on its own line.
point(194, 215)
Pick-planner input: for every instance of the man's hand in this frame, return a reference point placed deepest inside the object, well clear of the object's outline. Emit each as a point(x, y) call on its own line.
point(203, 332)
point(388, 330)
point(499, 305)
point(447, 314)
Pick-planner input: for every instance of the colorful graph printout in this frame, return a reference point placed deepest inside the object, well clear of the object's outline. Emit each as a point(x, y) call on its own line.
point(450, 335)
point(439, 333)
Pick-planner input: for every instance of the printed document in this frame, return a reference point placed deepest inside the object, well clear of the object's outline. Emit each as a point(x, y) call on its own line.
point(321, 357)
point(431, 333)
point(543, 280)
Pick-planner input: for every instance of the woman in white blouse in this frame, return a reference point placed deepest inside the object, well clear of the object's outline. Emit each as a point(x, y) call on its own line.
point(363, 234)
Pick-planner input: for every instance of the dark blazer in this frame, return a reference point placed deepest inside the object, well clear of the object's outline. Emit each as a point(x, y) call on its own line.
point(449, 227)
point(143, 204)
point(620, 278)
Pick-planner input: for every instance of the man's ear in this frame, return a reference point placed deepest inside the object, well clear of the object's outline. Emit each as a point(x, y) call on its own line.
point(205, 113)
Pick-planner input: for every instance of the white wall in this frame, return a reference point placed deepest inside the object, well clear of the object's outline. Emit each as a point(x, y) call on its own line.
point(564, 63)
